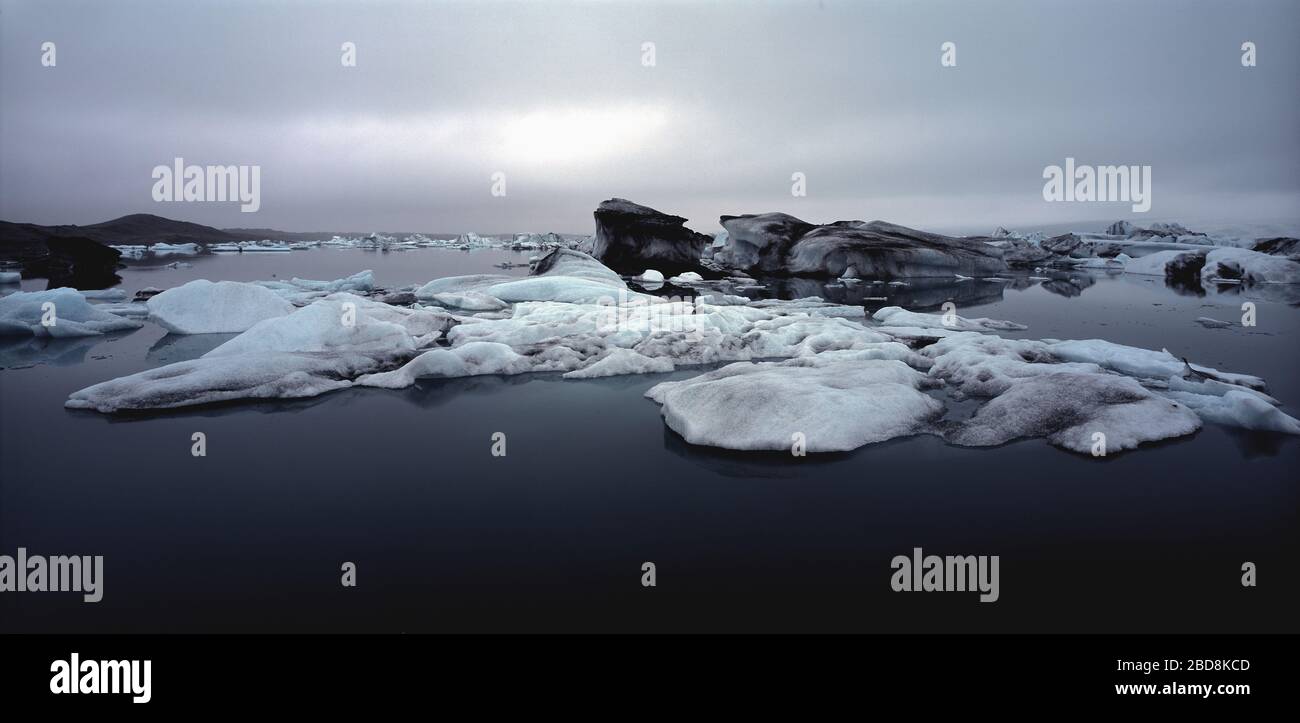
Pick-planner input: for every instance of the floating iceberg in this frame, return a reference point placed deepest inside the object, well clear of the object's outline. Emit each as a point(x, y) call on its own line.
point(828, 406)
point(204, 307)
point(1253, 267)
point(468, 301)
point(630, 236)
point(1167, 263)
point(622, 361)
point(304, 291)
point(165, 249)
point(65, 313)
point(562, 276)
point(686, 278)
point(897, 316)
point(1069, 409)
point(316, 349)
point(780, 243)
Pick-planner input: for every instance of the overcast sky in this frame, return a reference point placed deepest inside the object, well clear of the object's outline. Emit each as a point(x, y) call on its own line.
point(554, 95)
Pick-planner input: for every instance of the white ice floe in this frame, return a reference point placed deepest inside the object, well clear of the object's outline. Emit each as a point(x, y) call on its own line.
point(1233, 264)
point(223, 307)
point(316, 349)
point(1070, 409)
point(563, 276)
point(651, 276)
point(898, 316)
point(104, 294)
point(304, 291)
point(472, 359)
point(835, 406)
point(1210, 323)
point(468, 301)
point(622, 361)
point(165, 249)
point(1140, 363)
point(1163, 263)
point(686, 278)
point(1096, 262)
point(10, 277)
point(979, 365)
point(812, 305)
point(1231, 405)
point(133, 309)
point(57, 313)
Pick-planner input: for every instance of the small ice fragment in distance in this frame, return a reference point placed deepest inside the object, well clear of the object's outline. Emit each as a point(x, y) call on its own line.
point(117, 294)
point(1209, 323)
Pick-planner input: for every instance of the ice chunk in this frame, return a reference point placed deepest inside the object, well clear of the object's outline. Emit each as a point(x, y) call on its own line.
point(1070, 409)
point(686, 278)
point(272, 375)
point(133, 309)
point(316, 349)
point(66, 310)
point(472, 359)
point(977, 365)
point(104, 294)
point(1239, 408)
point(1165, 263)
point(1136, 362)
point(1253, 267)
point(563, 276)
point(621, 361)
point(651, 276)
point(812, 305)
point(10, 277)
point(323, 327)
point(205, 307)
point(469, 301)
point(836, 406)
point(165, 249)
point(1209, 323)
point(898, 316)
point(304, 291)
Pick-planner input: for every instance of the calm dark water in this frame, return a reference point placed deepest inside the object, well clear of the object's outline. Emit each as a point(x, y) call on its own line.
point(447, 537)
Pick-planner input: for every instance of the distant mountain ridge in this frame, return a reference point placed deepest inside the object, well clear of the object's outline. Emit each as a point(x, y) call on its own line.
point(137, 228)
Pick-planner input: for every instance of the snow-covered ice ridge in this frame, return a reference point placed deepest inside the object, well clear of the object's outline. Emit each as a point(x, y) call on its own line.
point(808, 367)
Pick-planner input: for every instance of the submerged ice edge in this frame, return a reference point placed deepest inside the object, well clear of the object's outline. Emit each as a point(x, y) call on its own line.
point(846, 380)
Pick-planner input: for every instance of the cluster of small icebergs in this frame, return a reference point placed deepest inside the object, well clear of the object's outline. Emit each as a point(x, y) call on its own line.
point(825, 371)
point(374, 241)
point(1166, 250)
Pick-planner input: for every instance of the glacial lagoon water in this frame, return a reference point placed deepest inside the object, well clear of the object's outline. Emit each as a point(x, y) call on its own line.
point(552, 536)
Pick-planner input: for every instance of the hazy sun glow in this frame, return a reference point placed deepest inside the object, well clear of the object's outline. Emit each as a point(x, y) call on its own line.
point(578, 135)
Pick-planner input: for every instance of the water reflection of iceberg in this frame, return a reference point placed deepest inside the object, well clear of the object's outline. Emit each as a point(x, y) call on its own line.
point(920, 294)
point(171, 348)
point(25, 351)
